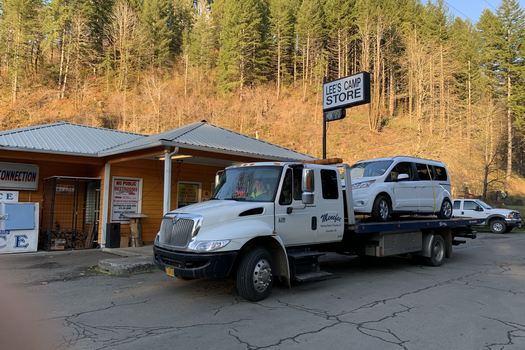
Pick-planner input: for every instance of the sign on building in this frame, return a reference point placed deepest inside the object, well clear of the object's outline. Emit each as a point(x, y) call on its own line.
point(9, 196)
point(18, 176)
point(345, 92)
point(126, 198)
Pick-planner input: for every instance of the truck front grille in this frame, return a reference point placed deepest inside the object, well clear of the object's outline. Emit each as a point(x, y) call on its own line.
point(176, 232)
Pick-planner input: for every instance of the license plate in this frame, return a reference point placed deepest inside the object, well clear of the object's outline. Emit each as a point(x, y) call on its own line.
point(170, 271)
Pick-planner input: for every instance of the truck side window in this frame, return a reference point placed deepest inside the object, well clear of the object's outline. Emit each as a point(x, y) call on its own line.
point(286, 191)
point(329, 184)
point(457, 204)
point(470, 205)
point(297, 180)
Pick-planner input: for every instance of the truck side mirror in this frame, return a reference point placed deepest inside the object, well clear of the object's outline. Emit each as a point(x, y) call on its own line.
point(308, 186)
point(218, 176)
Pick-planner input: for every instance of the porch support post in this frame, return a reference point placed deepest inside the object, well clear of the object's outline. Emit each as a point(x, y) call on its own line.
point(167, 179)
point(105, 203)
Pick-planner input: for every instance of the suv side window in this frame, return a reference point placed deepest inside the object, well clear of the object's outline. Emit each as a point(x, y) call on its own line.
point(423, 172)
point(470, 205)
point(401, 168)
point(456, 204)
point(329, 184)
point(440, 173)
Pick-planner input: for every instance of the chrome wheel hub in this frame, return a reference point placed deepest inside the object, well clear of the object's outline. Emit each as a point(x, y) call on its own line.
point(383, 209)
point(262, 275)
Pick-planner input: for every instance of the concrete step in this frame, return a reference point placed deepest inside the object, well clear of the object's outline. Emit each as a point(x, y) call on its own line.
point(127, 266)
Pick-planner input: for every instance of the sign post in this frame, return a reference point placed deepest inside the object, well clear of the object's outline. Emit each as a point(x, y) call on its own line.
point(342, 93)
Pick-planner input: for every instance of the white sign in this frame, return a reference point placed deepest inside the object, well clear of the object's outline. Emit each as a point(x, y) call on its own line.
point(18, 176)
point(8, 196)
point(350, 91)
point(126, 198)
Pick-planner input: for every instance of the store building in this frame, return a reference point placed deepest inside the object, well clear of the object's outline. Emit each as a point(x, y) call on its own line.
point(83, 178)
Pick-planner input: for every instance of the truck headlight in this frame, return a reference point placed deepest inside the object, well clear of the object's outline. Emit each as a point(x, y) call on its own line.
point(364, 184)
point(207, 246)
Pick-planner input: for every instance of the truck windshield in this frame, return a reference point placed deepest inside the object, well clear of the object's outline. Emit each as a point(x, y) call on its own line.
point(254, 184)
point(368, 169)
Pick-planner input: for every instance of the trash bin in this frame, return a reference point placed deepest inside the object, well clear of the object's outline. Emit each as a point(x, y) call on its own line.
point(113, 235)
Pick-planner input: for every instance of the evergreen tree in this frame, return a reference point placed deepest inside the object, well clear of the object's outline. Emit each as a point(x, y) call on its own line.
point(155, 18)
point(243, 56)
point(202, 46)
point(311, 39)
point(282, 32)
point(20, 27)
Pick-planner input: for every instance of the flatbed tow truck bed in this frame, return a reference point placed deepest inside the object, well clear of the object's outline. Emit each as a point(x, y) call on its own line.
point(460, 226)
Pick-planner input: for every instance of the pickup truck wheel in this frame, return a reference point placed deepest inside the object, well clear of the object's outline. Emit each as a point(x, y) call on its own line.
point(498, 226)
point(254, 275)
point(446, 209)
point(437, 251)
point(381, 210)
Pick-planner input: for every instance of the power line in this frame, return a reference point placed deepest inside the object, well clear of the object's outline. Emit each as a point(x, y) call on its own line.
point(488, 3)
point(457, 10)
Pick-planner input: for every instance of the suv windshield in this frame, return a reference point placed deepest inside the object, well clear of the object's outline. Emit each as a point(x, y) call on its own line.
point(254, 184)
point(368, 169)
point(484, 205)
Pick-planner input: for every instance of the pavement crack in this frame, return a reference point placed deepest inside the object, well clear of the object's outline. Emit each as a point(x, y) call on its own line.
point(514, 332)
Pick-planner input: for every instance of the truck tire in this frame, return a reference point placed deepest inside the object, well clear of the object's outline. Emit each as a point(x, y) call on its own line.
point(382, 209)
point(498, 226)
point(446, 209)
point(254, 276)
point(437, 251)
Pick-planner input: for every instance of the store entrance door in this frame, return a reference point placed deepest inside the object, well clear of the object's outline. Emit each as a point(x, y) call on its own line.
point(70, 213)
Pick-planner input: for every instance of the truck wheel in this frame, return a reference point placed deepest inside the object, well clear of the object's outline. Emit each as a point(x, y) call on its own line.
point(497, 226)
point(446, 209)
point(381, 209)
point(437, 251)
point(254, 275)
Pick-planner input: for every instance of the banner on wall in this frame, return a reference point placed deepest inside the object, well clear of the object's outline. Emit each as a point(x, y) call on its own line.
point(126, 198)
point(18, 176)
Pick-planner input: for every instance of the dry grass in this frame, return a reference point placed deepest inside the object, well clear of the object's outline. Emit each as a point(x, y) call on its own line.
point(159, 104)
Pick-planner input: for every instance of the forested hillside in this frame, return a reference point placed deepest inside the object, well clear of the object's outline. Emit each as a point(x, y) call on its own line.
point(442, 87)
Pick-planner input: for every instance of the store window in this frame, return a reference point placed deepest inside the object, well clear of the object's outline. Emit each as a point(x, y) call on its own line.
point(188, 193)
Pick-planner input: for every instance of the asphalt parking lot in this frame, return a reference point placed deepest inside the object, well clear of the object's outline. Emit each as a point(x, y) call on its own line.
point(476, 300)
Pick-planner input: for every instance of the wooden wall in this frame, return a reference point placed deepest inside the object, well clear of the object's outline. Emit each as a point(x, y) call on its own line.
point(152, 174)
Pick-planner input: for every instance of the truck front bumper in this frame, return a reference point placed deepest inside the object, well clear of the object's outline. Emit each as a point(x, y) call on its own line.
point(195, 265)
point(513, 222)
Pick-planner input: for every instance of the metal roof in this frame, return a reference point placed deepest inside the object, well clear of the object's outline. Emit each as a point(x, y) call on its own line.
point(211, 138)
point(64, 138)
point(73, 139)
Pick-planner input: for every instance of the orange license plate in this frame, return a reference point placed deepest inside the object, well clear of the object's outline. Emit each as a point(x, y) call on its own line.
point(170, 271)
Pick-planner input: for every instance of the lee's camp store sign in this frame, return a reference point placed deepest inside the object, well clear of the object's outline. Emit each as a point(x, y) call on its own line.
point(346, 92)
point(18, 176)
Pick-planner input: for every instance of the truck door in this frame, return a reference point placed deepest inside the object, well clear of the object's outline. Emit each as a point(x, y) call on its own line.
point(330, 207)
point(471, 209)
point(295, 223)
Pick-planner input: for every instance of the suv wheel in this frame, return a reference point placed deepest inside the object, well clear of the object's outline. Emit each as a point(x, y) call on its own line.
point(498, 226)
point(446, 209)
point(381, 210)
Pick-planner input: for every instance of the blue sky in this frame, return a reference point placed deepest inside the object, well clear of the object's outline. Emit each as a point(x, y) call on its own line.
point(471, 9)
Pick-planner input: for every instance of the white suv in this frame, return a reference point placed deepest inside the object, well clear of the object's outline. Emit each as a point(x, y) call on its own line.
point(498, 220)
point(384, 187)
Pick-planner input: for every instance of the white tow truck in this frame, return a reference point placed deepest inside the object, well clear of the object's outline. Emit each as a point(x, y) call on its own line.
point(273, 220)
